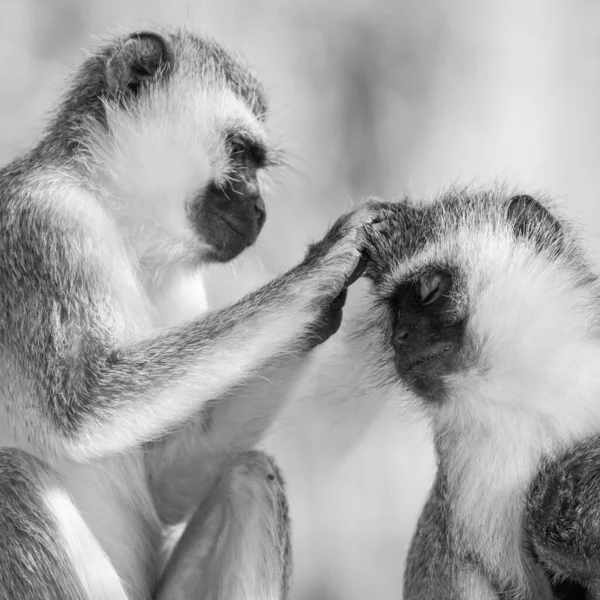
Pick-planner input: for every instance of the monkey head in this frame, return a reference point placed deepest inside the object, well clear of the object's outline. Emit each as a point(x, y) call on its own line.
point(172, 127)
point(477, 288)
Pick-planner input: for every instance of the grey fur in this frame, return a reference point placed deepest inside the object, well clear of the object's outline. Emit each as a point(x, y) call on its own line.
point(34, 567)
point(264, 495)
point(563, 520)
point(90, 88)
point(125, 412)
point(560, 543)
point(409, 225)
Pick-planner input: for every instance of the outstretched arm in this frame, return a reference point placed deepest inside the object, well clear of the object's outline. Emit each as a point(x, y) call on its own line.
point(96, 399)
point(184, 466)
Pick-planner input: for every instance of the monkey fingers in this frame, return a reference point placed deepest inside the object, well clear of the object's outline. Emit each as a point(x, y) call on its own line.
point(331, 318)
point(329, 322)
point(342, 246)
point(358, 271)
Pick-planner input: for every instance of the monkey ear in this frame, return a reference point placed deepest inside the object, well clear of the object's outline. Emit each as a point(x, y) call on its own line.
point(534, 221)
point(137, 61)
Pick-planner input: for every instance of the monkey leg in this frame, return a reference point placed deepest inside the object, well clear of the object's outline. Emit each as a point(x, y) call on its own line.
point(47, 551)
point(237, 544)
point(563, 521)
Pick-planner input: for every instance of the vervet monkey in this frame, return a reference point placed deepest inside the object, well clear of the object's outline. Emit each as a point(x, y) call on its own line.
point(123, 410)
point(486, 309)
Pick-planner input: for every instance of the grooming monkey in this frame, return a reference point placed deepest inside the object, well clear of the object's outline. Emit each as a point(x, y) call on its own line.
point(487, 308)
point(117, 419)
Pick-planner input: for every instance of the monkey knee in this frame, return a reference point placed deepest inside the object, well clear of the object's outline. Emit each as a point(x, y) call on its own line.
point(255, 490)
point(237, 544)
point(256, 476)
point(255, 467)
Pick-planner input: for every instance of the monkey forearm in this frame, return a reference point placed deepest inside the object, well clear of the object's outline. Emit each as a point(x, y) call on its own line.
point(147, 389)
point(138, 393)
point(183, 466)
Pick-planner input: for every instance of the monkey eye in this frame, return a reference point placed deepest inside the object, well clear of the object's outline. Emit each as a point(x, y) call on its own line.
point(238, 146)
point(246, 149)
point(432, 287)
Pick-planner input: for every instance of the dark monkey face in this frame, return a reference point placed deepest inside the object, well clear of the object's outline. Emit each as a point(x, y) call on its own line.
point(458, 282)
point(187, 143)
point(229, 216)
point(427, 329)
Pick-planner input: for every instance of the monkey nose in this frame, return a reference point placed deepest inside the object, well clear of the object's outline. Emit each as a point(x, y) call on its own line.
point(261, 213)
point(400, 335)
point(261, 216)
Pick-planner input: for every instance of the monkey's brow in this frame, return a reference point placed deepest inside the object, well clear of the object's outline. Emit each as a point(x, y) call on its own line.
point(256, 145)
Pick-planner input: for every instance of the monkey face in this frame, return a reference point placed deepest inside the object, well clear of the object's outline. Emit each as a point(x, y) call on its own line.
point(427, 330)
point(180, 141)
point(459, 282)
point(229, 216)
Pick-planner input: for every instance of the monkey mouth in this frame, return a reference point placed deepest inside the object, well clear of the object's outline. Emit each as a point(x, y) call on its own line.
point(427, 358)
point(232, 239)
point(236, 228)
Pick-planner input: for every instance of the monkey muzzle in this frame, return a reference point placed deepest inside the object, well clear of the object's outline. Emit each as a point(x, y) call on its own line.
point(228, 217)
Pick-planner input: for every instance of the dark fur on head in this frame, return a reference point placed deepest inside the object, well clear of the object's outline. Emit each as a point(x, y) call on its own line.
point(110, 75)
point(407, 226)
point(452, 235)
point(167, 128)
point(486, 307)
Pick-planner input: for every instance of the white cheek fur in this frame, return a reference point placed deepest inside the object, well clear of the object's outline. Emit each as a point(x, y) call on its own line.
point(159, 156)
point(533, 389)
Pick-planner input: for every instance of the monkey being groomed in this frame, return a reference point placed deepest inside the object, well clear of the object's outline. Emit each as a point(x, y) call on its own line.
point(123, 409)
point(487, 310)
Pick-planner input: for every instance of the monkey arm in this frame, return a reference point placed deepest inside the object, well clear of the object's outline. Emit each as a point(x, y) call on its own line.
point(140, 392)
point(184, 466)
point(563, 520)
point(86, 396)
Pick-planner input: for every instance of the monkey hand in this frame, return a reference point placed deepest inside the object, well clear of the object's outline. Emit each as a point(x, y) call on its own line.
point(392, 221)
point(321, 280)
point(331, 316)
point(336, 259)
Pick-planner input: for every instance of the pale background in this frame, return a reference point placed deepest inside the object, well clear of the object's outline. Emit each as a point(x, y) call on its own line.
point(383, 97)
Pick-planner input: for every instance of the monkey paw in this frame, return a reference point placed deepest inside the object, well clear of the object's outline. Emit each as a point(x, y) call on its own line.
point(330, 318)
point(343, 243)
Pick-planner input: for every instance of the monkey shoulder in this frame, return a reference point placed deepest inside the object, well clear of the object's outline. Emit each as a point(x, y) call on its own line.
point(56, 232)
point(562, 516)
point(65, 274)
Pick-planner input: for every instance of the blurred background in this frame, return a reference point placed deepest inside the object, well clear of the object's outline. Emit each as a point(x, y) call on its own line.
point(379, 96)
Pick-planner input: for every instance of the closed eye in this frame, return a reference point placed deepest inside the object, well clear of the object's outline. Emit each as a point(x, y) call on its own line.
point(238, 147)
point(433, 286)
